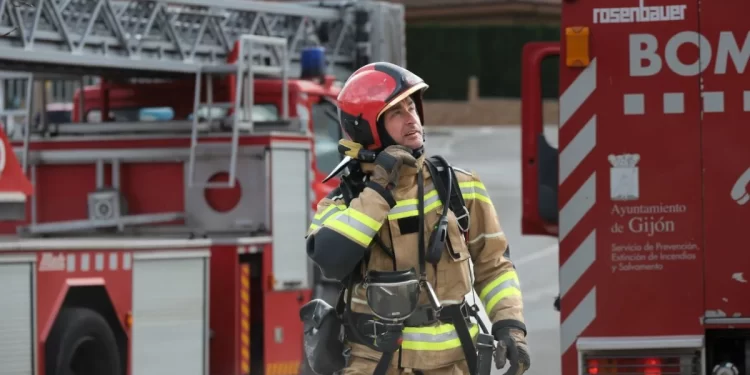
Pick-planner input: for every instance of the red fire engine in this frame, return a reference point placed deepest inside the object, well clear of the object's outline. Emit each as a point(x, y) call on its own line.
point(648, 193)
point(170, 247)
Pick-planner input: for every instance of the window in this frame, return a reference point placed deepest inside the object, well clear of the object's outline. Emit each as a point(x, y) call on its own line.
point(263, 112)
point(260, 113)
point(327, 134)
point(133, 114)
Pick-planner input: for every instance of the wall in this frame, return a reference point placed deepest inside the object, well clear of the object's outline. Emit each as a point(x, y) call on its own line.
point(482, 111)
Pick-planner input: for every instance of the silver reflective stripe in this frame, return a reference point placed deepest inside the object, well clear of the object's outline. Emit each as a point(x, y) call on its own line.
point(325, 217)
point(487, 235)
point(426, 337)
point(351, 222)
point(505, 284)
point(413, 207)
point(474, 189)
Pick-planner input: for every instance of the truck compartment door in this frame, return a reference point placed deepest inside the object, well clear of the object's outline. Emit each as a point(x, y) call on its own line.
point(17, 342)
point(539, 159)
point(725, 48)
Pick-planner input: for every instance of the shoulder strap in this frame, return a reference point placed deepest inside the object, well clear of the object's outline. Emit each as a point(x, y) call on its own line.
point(439, 169)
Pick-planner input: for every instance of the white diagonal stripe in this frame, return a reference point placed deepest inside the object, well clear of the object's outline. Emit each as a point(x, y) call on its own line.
point(577, 93)
point(577, 321)
point(578, 205)
point(581, 259)
point(574, 153)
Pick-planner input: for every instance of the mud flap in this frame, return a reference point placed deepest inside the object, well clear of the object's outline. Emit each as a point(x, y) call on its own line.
point(323, 344)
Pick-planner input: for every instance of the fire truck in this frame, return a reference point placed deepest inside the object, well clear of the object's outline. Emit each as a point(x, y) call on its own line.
point(648, 188)
point(169, 247)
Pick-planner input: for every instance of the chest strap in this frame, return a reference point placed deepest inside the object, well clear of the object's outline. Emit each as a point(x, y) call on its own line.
point(456, 201)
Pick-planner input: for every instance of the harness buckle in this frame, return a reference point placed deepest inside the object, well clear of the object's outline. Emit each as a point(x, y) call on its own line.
point(375, 330)
point(468, 220)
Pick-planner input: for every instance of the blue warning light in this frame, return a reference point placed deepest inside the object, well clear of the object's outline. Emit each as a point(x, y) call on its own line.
point(313, 62)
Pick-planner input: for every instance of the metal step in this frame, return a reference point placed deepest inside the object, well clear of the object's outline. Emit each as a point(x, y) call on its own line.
point(93, 36)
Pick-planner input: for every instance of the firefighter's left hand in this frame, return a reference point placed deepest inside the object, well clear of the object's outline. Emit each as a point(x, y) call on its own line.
point(512, 348)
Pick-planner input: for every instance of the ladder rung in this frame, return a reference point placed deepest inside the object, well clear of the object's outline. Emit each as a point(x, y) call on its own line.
point(219, 69)
point(232, 69)
point(262, 39)
point(268, 70)
point(126, 127)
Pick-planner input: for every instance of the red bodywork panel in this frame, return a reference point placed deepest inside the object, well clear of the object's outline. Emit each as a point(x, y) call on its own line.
point(654, 169)
point(74, 182)
point(12, 178)
point(53, 284)
point(624, 219)
point(726, 159)
point(280, 313)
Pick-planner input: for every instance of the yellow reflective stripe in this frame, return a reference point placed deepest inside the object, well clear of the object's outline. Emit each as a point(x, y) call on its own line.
point(475, 190)
point(327, 210)
point(323, 216)
point(503, 286)
point(355, 224)
point(440, 337)
point(408, 207)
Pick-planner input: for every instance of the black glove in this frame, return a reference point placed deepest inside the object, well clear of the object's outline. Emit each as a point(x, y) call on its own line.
point(388, 165)
point(512, 347)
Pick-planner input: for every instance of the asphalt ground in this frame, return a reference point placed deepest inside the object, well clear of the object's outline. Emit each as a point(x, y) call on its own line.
point(495, 154)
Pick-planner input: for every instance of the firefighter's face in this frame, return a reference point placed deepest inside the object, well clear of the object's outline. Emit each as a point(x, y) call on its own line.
point(402, 124)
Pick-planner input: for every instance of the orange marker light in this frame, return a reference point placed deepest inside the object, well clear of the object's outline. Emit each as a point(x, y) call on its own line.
point(577, 47)
point(129, 320)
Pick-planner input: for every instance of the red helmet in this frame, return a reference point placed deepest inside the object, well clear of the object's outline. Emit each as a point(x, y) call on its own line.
point(369, 92)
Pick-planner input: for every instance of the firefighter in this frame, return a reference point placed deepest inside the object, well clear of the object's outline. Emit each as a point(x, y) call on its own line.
point(371, 244)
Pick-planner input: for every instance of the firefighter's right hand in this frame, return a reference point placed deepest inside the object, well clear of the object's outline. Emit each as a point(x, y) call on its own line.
point(388, 165)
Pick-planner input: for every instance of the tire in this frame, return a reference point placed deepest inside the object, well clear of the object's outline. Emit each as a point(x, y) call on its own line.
point(82, 343)
point(329, 292)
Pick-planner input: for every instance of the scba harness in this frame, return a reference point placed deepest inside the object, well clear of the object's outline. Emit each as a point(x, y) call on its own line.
point(393, 295)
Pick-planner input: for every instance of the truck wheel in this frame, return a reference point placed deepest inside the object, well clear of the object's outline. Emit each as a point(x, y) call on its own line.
point(82, 343)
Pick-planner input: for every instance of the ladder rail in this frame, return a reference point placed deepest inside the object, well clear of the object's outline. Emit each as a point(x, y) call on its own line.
point(245, 77)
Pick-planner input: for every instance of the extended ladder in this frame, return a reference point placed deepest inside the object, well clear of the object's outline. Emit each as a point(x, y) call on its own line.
point(153, 36)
